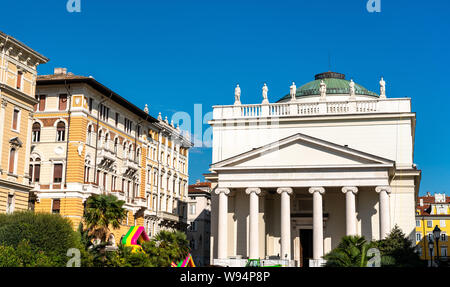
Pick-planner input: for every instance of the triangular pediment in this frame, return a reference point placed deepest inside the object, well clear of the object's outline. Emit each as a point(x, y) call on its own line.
point(300, 150)
point(15, 142)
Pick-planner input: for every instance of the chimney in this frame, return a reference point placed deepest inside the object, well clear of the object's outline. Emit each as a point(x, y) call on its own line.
point(60, 71)
point(197, 181)
point(428, 194)
point(421, 202)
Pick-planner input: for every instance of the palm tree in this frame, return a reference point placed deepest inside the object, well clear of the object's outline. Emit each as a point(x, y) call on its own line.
point(350, 252)
point(101, 212)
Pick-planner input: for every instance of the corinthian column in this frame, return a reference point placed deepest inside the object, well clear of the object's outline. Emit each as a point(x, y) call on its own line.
point(385, 217)
point(317, 221)
point(253, 222)
point(285, 193)
point(222, 234)
point(350, 209)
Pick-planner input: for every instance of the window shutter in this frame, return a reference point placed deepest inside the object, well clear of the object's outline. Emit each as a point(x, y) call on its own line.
point(15, 119)
point(12, 157)
point(37, 172)
point(62, 102)
point(30, 172)
point(57, 173)
point(41, 103)
point(56, 204)
point(19, 79)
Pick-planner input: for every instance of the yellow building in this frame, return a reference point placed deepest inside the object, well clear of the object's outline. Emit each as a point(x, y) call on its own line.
point(432, 211)
point(86, 139)
point(18, 64)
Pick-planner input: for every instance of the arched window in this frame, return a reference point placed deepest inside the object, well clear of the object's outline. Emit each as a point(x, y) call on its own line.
point(100, 138)
point(130, 151)
point(61, 131)
point(107, 141)
point(35, 170)
point(124, 150)
point(36, 136)
point(12, 161)
point(89, 135)
point(116, 145)
point(138, 156)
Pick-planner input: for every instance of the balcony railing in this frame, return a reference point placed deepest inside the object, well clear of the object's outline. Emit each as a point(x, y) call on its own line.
point(312, 108)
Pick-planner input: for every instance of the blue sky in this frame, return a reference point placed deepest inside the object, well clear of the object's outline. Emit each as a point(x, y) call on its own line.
point(174, 54)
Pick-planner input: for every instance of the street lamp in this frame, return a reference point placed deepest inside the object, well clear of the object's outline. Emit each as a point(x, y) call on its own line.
point(430, 246)
point(437, 236)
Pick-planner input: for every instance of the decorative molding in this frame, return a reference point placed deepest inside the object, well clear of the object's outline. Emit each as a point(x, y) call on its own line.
point(319, 189)
point(223, 190)
point(256, 190)
point(288, 190)
point(353, 189)
point(379, 189)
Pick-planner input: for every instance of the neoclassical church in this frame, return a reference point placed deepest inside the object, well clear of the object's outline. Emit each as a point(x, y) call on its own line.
point(291, 178)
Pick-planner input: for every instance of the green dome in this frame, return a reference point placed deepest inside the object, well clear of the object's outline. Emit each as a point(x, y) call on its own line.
point(336, 84)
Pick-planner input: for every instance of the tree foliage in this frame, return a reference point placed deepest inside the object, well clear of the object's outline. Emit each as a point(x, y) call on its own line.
point(350, 252)
point(397, 250)
point(47, 236)
point(101, 212)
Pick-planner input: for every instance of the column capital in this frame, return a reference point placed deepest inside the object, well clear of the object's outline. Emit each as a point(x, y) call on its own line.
point(223, 190)
point(379, 189)
point(256, 190)
point(288, 190)
point(353, 189)
point(319, 189)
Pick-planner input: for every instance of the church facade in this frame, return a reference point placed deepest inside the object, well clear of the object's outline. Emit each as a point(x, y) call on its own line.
point(292, 178)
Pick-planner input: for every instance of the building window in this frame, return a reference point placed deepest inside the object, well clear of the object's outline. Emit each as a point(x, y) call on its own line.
point(442, 223)
point(429, 223)
point(62, 102)
point(116, 145)
point(138, 131)
point(10, 204)
point(444, 237)
point(87, 171)
point(12, 161)
point(443, 251)
point(418, 236)
point(57, 172)
point(128, 125)
point(60, 131)
point(103, 112)
point(104, 180)
point(56, 205)
point(89, 135)
point(19, 80)
point(16, 119)
point(35, 170)
point(117, 119)
point(90, 104)
point(36, 132)
point(192, 208)
point(417, 223)
point(41, 104)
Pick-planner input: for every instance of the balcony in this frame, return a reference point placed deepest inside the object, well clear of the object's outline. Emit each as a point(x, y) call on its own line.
point(105, 157)
point(141, 202)
point(290, 109)
point(169, 216)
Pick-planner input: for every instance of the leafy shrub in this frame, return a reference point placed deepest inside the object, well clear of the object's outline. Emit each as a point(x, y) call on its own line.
point(46, 235)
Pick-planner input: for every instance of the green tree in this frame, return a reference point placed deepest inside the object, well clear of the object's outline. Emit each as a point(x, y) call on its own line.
point(397, 250)
point(101, 212)
point(350, 252)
